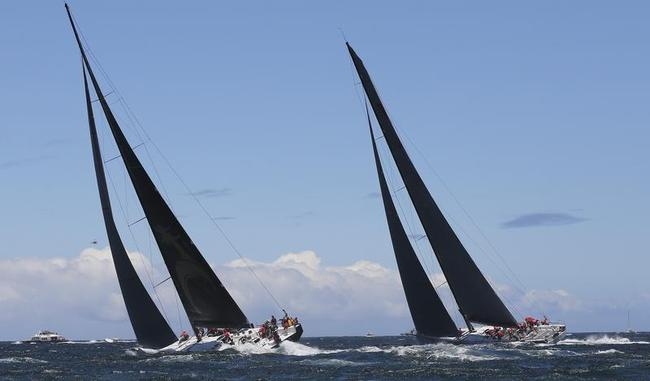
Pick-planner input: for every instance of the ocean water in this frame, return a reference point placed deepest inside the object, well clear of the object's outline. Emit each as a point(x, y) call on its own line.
point(595, 356)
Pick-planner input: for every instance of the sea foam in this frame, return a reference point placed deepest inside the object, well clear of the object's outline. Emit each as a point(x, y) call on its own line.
point(601, 340)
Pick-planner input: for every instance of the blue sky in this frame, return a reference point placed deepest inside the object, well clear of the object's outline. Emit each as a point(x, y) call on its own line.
point(534, 115)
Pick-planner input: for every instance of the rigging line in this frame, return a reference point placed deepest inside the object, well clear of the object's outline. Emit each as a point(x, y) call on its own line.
point(363, 101)
point(125, 186)
point(112, 158)
point(187, 188)
point(425, 260)
point(130, 114)
point(103, 96)
point(179, 317)
point(135, 242)
point(513, 305)
point(150, 239)
point(465, 212)
point(467, 235)
point(440, 285)
point(135, 222)
point(437, 175)
point(162, 281)
point(489, 257)
point(514, 277)
point(147, 270)
point(407, 222)
point(457, 201)
point(203, 208)
point(125, 106)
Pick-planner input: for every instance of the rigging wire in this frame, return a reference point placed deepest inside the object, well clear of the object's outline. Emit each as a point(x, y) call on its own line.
point(135, 242)
point(122, 101)
point(513, 278)
point(98, 64)
point(519, 286)
point(389, 172)
point(136, 123)
point(390, 175)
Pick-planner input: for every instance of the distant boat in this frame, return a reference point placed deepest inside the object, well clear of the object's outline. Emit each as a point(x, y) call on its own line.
point(46, 336)
point(215, 317)
point(477, 301)
point(412, 332)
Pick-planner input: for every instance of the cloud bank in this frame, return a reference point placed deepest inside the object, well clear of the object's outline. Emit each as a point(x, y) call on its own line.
point(80, 297)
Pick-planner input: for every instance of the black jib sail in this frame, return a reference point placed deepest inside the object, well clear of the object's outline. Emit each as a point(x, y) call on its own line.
point(429, 314)
point(205, 300)
point(475, 297)
point(150, 327)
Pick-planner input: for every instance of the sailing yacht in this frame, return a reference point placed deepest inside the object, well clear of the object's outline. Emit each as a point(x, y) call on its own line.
point(215, 317)
point(477, 301)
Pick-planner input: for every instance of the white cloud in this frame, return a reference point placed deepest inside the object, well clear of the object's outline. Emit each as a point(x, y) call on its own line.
point(80, 295)
point(37, 292)
point(552, 300)
point(334, 297)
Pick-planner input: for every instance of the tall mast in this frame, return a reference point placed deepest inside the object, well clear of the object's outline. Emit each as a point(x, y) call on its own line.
point(205, 300)
point(429, 314)
point(150, 327)
point(475, 297)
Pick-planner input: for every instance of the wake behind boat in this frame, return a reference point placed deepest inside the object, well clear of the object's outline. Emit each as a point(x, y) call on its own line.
point(476, 299)
point(214, 316)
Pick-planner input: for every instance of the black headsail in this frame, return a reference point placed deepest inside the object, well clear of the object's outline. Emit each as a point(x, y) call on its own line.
point(150, 327)
point(429, 314)
point(476, 299)
point(205, 300)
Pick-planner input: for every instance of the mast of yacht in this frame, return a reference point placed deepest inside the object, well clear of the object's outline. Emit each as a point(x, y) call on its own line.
point(427, 310)
point(476, 299)
point(205, 300)
point(150, 327)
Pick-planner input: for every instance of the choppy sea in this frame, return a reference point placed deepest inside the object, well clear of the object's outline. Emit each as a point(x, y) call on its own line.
point(588, 356)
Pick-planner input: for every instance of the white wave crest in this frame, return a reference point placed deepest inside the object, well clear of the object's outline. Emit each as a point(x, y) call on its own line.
point(296, 349)
point(600, 340)
point(172, 358)
point(131, 352)
point(247, 349)
point(435, 352)
point(608, 352)
point(331, 362)
point(21, 360)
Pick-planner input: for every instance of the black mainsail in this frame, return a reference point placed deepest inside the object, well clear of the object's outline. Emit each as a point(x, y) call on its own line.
point(476, 299)
point(429, 314)
point(206, 301)
point(150, 327)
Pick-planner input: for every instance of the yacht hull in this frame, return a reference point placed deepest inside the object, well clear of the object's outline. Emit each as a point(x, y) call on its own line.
point(541, 334)
point(244, 337)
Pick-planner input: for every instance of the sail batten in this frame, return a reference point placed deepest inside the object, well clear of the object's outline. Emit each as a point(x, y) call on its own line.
point(150, 327)
point(427, 310)
point(204, 298)
point(476, 299)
